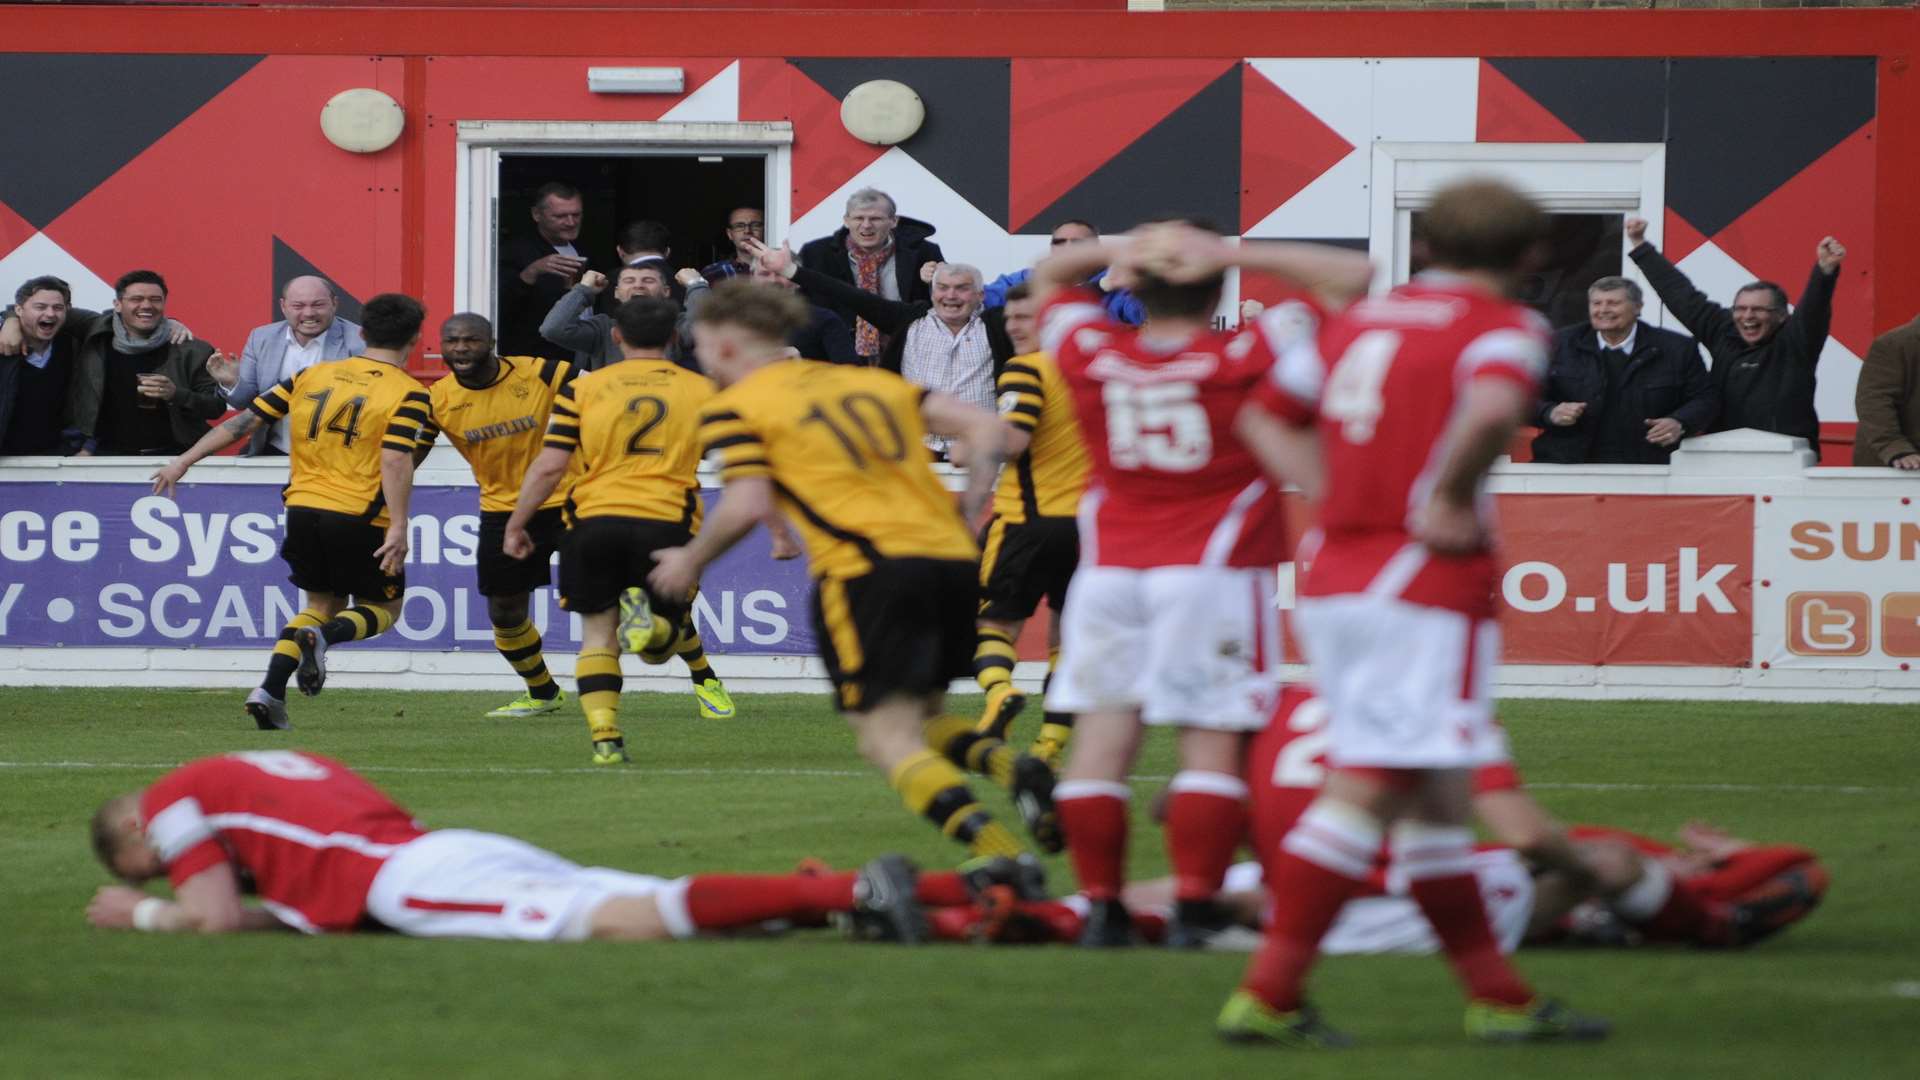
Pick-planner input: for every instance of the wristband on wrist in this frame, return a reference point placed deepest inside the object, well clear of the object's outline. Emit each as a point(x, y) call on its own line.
point(146, 914)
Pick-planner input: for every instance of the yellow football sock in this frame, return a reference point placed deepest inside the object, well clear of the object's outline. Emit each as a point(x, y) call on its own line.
point(596, 675)
point(520, 646)
point(932, 787)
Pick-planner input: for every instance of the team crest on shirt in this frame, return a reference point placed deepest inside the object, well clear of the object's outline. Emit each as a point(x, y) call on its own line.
point(519, 390)
point(1007, 401)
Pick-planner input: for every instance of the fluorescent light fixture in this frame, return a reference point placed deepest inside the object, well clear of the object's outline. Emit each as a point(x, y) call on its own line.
point(636, 80)
point(710, 159)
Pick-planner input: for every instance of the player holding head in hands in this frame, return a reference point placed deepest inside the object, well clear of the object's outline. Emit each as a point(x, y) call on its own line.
point(841, 452)
point(352, 425)
point(1413, 394)
point(1170, 618)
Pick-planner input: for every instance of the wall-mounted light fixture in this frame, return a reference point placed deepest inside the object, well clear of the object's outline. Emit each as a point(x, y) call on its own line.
point(882, 112)
point(636, 80)
point(362, 120)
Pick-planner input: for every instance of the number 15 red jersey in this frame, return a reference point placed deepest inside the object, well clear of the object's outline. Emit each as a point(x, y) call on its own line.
point(1171, 484)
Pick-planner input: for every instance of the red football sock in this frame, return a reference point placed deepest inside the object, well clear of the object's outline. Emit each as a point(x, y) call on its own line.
point(1206, 820)
point(1438, 860)
point(724, 901)
point(1324, 860)
point(942, 888)
point(1093, 813)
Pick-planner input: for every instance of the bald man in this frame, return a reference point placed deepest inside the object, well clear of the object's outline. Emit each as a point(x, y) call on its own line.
point(310, 331)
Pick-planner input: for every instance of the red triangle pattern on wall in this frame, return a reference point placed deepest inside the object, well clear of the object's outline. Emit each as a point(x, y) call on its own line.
point(1283, 147)
point(1070, 117)
point(1509, 114)
point(825, 156)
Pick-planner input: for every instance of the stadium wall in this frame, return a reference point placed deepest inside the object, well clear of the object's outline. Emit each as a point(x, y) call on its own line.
point(1777, 127)
point(1740, 572)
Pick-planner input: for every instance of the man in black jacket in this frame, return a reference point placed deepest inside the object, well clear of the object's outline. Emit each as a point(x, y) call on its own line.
point(536, 271)
point(1620, 392)
point(1763, 358)
point(878, 251)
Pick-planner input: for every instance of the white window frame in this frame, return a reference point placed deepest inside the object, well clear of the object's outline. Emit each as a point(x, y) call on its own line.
point(482, 143)
point(1625, 178)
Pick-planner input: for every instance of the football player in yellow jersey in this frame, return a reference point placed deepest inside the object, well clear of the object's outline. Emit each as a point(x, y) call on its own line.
point(1032, 543)
point(352, 425)
point(841, 451)
point(635, 426)
point(494, 410)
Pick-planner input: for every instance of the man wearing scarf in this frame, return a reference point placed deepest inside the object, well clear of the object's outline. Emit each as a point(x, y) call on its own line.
point(135, 391)
point(876, 251)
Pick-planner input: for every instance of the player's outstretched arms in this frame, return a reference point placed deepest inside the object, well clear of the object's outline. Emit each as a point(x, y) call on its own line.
point(218, 438)
point(985, 437)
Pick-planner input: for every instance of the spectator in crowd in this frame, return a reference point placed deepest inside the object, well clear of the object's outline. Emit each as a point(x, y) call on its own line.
point(134, 390)
point(535, 271)
point(948, 344)
point(311, 332)
point(743, 223)
point(39, 337)
point(877, 251)
point(1763, 357)
point(643, 240)
point(825, 337)
point(573, 324)
point(1620, 392)
point(1120, 303)
point(1887, 401)
point(34, 384)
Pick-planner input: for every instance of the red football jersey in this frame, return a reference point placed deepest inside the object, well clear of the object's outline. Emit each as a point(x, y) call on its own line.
point(307, 830)
point(1287, 764)
point(1171, 484)
point(1382, 380)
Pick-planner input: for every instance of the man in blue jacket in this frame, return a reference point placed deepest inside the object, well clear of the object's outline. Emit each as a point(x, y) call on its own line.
point(1620, 392)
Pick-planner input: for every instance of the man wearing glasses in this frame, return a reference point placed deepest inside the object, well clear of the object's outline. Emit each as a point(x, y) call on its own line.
point(742, 223)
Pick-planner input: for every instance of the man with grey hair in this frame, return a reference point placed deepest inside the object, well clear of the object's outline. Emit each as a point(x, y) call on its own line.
point(1620, 392)
point(948, 343)
point(310, 331)
point(876, 251)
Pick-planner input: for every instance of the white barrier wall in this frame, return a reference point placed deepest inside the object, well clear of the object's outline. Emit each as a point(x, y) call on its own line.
point(1740, 572)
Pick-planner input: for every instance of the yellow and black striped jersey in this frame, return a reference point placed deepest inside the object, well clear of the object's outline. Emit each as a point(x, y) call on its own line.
point(1047, 478)
point(340, 415)
point(846, 450)
point(633, 428)
point(498, 428)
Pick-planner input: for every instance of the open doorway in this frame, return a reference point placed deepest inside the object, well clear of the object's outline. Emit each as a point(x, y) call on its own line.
point(690, 194)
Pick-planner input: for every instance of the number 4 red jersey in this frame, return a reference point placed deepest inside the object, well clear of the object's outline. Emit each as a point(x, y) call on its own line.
point(309, 832)
point(1382, 379)
point(1171, 485)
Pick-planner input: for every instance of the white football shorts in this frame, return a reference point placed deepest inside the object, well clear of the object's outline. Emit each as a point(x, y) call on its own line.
point(459, 883)
point(1189, 646)
point(1407, 686)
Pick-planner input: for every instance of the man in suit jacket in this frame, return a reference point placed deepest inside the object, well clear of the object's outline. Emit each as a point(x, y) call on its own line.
point(1887, 401)
point(1620, 392)
point(536, 271)
point(311, 332)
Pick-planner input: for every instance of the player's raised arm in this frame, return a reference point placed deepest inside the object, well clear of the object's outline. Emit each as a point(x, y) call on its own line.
point(985, 438)
point(1337, 276)
point(1071, 264)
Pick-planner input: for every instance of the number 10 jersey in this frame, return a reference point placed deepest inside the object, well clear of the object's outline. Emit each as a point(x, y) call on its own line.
point(340, 415)
point(846, 450)
point(1171, 484)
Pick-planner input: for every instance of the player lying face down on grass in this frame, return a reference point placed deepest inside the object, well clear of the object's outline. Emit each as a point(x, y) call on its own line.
point(325, 851)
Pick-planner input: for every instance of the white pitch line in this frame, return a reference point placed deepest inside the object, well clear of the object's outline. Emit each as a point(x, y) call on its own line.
point(510, 770)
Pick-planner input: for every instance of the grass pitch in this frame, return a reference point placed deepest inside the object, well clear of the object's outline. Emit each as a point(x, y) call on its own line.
point(1833, 997)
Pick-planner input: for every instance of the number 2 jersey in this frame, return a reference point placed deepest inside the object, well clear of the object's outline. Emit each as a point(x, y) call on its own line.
point(306, 831)
point(1382, 380)
point(1171, 484)
point(846, 450)
point(340, 415)
point(633, 428)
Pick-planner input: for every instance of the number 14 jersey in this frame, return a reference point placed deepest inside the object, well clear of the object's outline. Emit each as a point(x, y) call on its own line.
point(340, 415)
point(1171, 485)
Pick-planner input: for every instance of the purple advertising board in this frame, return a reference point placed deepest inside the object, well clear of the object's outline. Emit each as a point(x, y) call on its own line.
point(92, 564)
